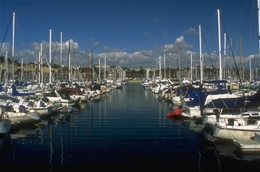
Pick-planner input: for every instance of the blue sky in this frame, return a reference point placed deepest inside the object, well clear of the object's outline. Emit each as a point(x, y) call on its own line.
point(130, 33)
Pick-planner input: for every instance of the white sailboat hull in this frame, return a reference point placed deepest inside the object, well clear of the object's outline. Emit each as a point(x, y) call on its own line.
point(192, 112)
point(42, 111)
point(235, 133)
point(76, 97)
point(20, 118)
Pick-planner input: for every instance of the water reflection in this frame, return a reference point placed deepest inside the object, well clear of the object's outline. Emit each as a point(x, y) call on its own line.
point(127, 128)
point(227, 156)
point(4, 142)
point(24, 131)
point(61, 118)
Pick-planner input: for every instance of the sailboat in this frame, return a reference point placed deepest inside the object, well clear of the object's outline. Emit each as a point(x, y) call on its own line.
point(62, 99)
point(207, 101)
point(75, 92)
point(30, 101)
point(237, 127)
point(22, 116)
point(241, 99)
point(7, 104)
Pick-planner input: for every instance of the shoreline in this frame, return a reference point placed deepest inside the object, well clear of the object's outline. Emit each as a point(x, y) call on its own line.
point(134, 81)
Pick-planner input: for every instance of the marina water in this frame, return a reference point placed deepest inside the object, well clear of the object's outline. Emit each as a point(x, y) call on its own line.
point(125, 129)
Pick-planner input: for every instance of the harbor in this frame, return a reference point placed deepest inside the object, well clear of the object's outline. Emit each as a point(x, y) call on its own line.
point(124, 90)
point(124, 129)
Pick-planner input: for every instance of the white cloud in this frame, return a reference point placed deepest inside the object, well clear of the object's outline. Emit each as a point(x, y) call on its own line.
point(180, 39)
point(250, 57)
point(167, 46)
point(118, 56)
point(6, 46)
point(191, 31)
point(109, 49)
point(156, 20)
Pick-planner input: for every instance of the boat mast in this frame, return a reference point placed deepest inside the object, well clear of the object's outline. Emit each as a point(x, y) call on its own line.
point(39, 68)
point(92, 65)
point(160, 67)
point(6, 69)
point(60, 51)
point(250, 68)
point(258, 6)
point(225, 54)
point(179, 66)
point(164, 66)
point(191, 67)
point(201, 59)
point(240, 58)
point(99, 78)
point(69, 61)
point(22, 69)
point(219, 46)
point(196, 72)
point(88, 71)
point(13, 46)
point(105, 77)
point(41, 63)
point(50, 58)
point(61, 56)
point(75, 72)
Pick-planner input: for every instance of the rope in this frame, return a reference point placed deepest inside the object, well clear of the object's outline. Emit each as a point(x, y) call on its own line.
point(208, 51)
point(225, 104)
point(5, 33)
point(240, 20)
point(251, 23)
point(232, 54)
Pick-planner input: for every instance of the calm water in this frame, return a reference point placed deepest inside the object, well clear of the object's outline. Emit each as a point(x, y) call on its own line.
point(125, 130)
